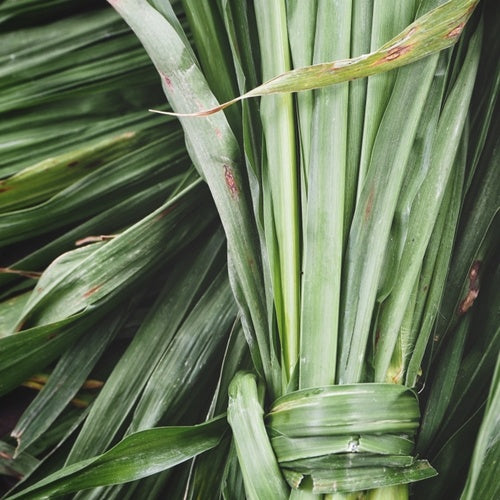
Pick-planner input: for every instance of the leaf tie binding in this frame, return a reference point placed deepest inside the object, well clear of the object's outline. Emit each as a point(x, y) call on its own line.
point(346, 438)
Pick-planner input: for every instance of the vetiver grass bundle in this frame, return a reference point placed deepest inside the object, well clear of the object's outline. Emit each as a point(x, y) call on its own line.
point(358, 357)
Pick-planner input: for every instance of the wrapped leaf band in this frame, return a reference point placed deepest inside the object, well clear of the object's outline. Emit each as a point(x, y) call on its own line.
point(345, 437)
point(327, 432)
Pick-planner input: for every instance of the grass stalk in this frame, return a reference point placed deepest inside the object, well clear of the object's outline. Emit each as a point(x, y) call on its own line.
point(278, 123)
point(301, 20)
point(323, 232)
point(373, 216)
point(386, 23)
point(427, 204)
point(343, 207)
point(361, 26)
point(216, 154)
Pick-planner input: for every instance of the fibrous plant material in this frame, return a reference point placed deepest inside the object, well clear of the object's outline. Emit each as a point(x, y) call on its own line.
point(344, 201)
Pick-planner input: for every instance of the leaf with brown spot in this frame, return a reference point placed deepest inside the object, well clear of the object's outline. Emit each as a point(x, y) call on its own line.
point(93, 290)
point(434, 31)
point(231, 181)
point(91, 273)
point(473, 292)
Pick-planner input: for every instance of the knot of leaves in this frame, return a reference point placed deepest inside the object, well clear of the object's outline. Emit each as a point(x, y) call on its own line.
point(343, 438)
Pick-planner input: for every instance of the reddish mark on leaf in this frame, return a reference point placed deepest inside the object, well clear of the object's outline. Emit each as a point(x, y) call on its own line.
point(5, 455)
point(396, 52)
point(455, 31)
point(231, 181)
point(377, 336)
point(165, 212)
point(473, 292)
point(92, 291)
point(167, 81)
point(369, 204)
point(73, 163)
point(397, 377)
point(218, 133)
point(51, 336)
point(3, 189)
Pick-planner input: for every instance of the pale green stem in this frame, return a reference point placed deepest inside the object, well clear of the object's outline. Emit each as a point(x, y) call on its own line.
point(426, 206)
point(301, 31)
point(323, 232)
point(387, 23)
point(278, 123)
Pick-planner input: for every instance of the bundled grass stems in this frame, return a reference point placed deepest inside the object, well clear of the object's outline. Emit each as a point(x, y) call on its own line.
point(287, 291)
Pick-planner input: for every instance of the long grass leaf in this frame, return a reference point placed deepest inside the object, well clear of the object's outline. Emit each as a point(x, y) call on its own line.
point(426, 206)
point(432, 32)
point(361, 27)
point(323, 232)
point(478, 364)
point(121, 178)
point(213, 51)
point(215, 153)
point(386, 23)
point(126, 382)
point(101, 227)
point(451, 472)
point(65, 380)
point(281, 168)
point(478, 225)
point(442, 388)
point(31, 350)
point(481, 480)
point(22, 466)
point(301, 20)
point(261, 474)
point(112, 265)
point(139, 455)
point(374, 213)
point(193, 354)
point(434, 271)
point(37, 183)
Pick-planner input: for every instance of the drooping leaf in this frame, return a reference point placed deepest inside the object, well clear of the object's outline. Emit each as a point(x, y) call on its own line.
point(432, 32)
point(138, 455)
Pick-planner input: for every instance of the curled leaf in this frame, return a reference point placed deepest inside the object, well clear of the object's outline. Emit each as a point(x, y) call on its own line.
point(436, 30)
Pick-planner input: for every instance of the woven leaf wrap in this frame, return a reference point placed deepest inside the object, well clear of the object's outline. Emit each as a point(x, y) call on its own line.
point(345, 437)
